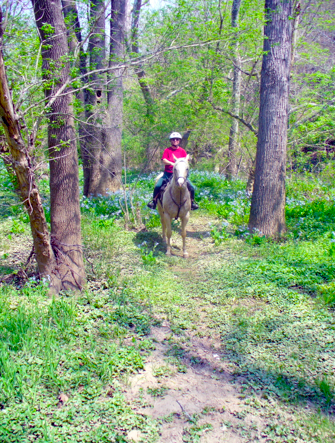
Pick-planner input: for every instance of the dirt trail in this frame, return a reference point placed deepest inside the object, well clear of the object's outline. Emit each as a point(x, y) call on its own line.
point(204, 395)
point(202, 404)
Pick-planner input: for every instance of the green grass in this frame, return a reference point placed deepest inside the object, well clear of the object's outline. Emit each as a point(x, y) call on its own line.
point(72, 346)
point(268, 305)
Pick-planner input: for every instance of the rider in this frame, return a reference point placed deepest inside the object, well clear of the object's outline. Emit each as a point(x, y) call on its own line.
point(168, 160)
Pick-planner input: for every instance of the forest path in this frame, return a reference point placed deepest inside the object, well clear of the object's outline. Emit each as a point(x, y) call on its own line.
point(187, 382)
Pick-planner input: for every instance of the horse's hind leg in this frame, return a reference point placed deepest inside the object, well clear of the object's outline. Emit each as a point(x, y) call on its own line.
point(168, 233)
point(163, 229)
point(184, 221)
point(161, 213)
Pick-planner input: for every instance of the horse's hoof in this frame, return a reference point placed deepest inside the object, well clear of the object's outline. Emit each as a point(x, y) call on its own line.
point(185, 254)
point(168, 253)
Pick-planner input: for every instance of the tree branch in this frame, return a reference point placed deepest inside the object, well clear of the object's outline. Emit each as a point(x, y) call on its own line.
point(241, 119)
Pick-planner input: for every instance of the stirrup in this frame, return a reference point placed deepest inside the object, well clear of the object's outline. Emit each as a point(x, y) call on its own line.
point(194, 206)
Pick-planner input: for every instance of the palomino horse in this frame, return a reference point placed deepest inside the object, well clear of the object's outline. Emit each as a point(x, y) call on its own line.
point(176, 203)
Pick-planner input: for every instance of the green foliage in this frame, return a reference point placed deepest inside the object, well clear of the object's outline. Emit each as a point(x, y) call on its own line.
point(157, 392)
point(147, 254)
point(51, 347)
point(17, 227)
point(130, 312)
point(219, 235)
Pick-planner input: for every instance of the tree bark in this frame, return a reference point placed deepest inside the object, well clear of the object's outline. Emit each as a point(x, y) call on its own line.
point(96, 180)
point(236, 98)
point(251, 179)
point(9, 164)
point(26, 182)
point(139, 71)
point(63, 159)
point(152, 153)
point(296, 20)
point(114, 117)
point(184, 140)
point(267, 213)
point(75, 38)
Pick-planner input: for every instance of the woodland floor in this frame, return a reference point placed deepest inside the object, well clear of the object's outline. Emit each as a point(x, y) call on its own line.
point(232, 355)
point(209, 399)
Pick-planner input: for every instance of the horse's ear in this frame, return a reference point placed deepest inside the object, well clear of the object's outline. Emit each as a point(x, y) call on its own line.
point(188, 157)
point(175, 158)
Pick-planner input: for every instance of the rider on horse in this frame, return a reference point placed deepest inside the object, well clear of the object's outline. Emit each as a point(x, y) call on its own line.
point(168, 159)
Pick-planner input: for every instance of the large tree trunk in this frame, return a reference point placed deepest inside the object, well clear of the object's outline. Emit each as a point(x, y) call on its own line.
point(236, 98)
point(75, 40)
point(63, 159)
point(268, 200)
point(26, 182)
point(114, 118)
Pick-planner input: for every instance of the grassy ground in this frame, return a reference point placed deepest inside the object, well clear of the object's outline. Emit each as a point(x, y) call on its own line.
point(244, 313)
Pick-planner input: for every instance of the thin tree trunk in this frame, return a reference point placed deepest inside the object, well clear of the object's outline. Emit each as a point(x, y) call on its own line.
point(114, 119)
point(296, 20)
point(95, 178)
point(63, 159)
point(236, 98)
point(267, 212)
point(139, 71)
point(26, 182)
point(152, 153)
point(9, 165)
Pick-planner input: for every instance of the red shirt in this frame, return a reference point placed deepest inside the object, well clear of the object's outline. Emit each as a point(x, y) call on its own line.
point(169, 153)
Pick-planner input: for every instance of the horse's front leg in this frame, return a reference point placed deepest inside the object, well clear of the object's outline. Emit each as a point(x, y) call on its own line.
point(184, 222)
point(168, 233)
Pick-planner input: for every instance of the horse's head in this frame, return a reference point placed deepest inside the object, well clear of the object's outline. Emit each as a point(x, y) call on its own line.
point(180, 170)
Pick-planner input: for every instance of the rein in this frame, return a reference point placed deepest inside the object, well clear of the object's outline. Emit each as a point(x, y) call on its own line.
point(179, 205)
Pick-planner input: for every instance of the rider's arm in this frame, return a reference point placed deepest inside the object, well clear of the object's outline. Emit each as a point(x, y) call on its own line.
point(167, 162)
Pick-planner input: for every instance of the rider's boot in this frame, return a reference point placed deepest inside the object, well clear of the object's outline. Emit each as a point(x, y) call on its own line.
point(194, 206)
point(152, 204)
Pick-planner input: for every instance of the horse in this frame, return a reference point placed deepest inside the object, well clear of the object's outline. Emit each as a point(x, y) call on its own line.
point(176, 203)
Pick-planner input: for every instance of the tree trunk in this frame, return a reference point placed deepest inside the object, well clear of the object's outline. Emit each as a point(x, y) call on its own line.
point(184, 140)
point(75, 38)
point(251, 179)
point(96, 180)
point(139, 71)
point(9, 164)
point(152, 153)
point(114, 118)
point(296, 20)
point(63, 159)
point(268, 200)
point(26, 182)
point(236, 98)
